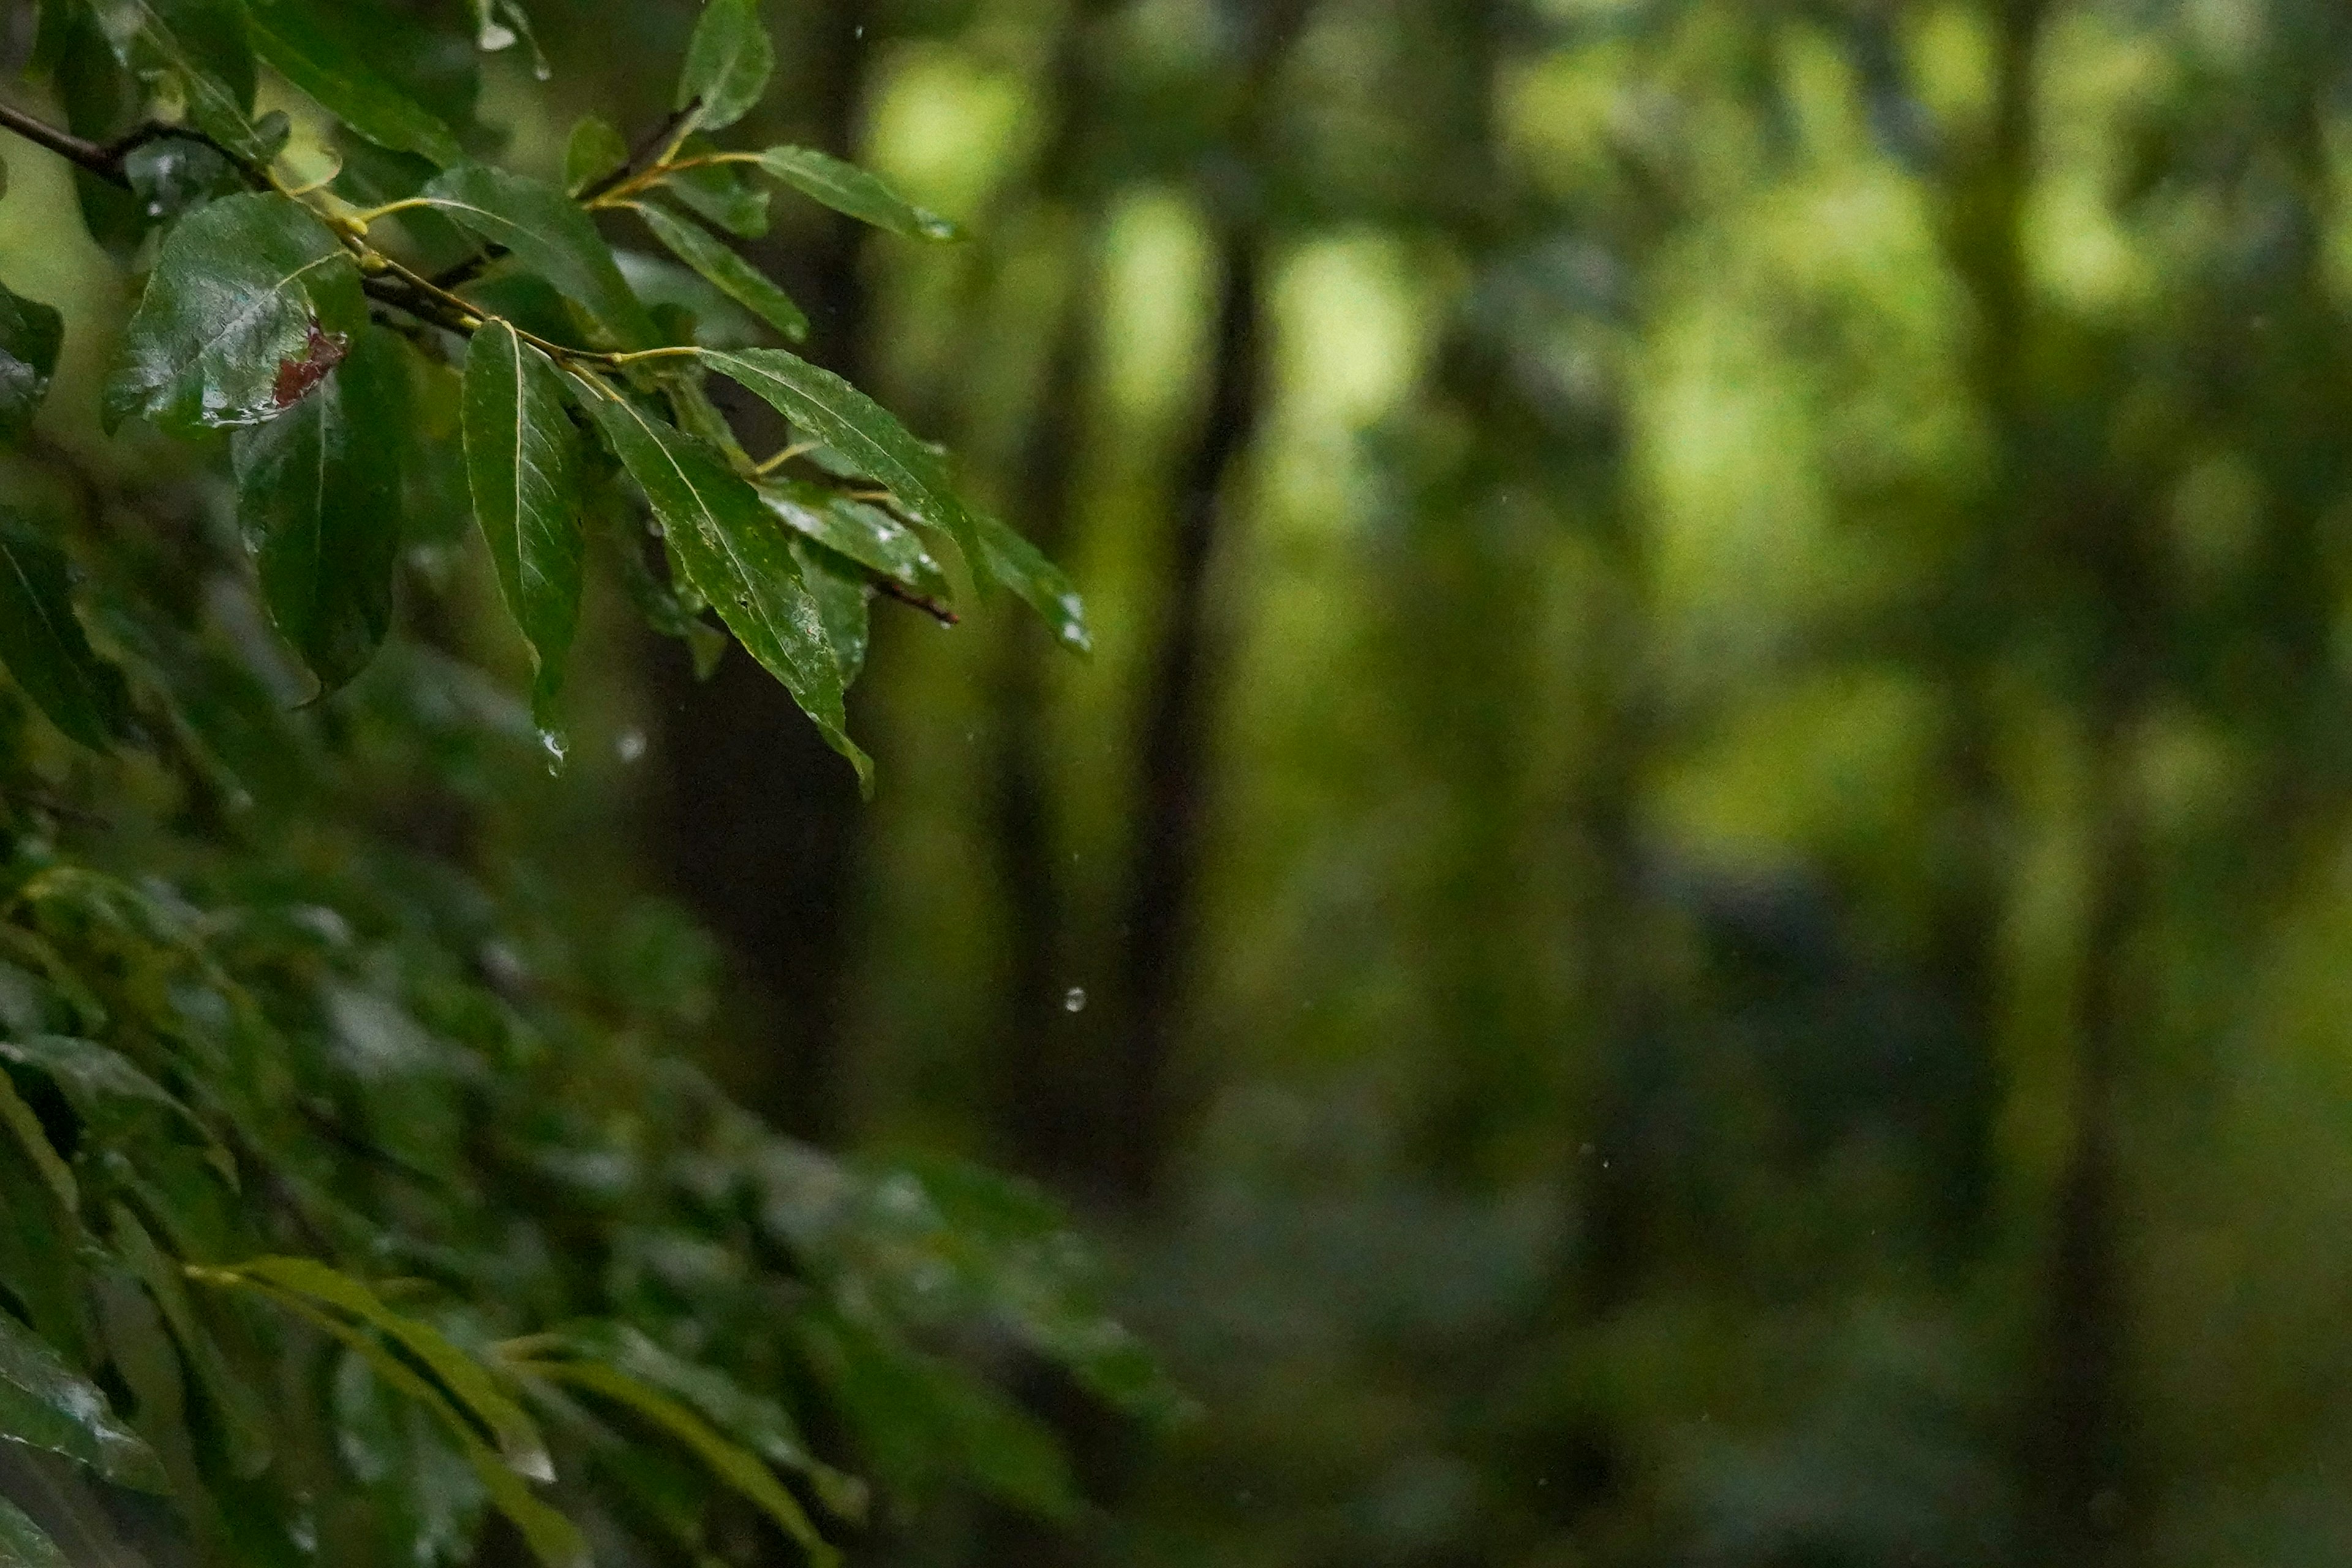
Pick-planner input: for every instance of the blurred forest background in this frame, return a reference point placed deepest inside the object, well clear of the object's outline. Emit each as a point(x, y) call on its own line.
point(1696, 906)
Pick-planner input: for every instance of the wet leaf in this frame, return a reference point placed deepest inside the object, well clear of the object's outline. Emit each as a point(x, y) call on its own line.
point(734, 554)
point(318, 495)
point(43, 1404)
point(236, 291)
point(43, 645)
point(30, 335)
point(847, 188)
point(523, 467)
point(729, 273)
point(727, 63)
point(549, 234)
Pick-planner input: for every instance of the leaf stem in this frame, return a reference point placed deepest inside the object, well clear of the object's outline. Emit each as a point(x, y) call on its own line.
point(797, 449)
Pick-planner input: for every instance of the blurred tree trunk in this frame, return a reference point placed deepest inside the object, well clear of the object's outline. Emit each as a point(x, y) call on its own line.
point(764, 825)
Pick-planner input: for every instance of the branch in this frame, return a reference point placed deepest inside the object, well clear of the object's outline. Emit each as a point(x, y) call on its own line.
point(106, 163)
point(891, 589)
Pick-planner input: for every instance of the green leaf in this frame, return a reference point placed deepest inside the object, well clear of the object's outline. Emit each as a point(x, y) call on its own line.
point(43, 645)
point(22, 1544)
point(847, 188)
point(318, 493)
point(517, 1438)
point(753, 1420)
point(729, 273)
point(553, 1539)
point(501, 24)
point(96, 1080)
point(302, 43)
point(25, 1127)
point(548, 233)
point(727, 63)
point(45, 1404)
point(236, 291)
point(522, 466)
point(1022, 567)
point(737, 1467)
point(840, 590)
point(244, 1423)
point(195, 49)
point(865, 534)
point(734, 556)
point(594, 150)
point(657, 600)
point(860, 429)
point(30, 336)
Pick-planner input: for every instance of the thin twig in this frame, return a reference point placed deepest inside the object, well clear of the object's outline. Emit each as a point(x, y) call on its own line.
point(889, 588)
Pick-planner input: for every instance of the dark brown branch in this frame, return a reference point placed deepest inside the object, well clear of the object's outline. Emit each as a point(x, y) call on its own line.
point(890, 589)
point(106, 163)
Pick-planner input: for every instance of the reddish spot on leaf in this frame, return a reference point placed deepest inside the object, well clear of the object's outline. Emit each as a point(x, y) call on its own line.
point(322, 354)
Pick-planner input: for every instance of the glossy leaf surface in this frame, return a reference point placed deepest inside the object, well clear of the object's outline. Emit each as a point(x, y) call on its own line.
point(548, 233)
point(847, 188)
point(237, 290)
point(45, 1404)
point(729, 273)
point(735, 555)
point(861, 430)
point(30, 336)
point(319, 499)
point(522, 467)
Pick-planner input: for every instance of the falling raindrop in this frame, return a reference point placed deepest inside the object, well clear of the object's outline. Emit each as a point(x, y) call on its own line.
point(1074, 1000)
point(558, 750)
point(631, 746)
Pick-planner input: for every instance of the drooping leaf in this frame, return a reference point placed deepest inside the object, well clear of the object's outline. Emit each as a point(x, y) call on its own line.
point(22, 1542)
point(43, 645)
point(553, 1539)
point(97, 1080)
point(840, 591)
point(729, 273)
point(549, 234)
point(734, 554)
point(309, 51)
point(236, 1407)
point(197, 50)
point(736, 1466)
point(865, 534)
point(318, 495)
point(45, 1404)
point(25, 1127)
point(861, 430)
point(1044, 586)
point(594, 150)
point(517, 1436)
point(30, 336)
point(237, 291)
point(523, 467)
point(847, 188)
point(753, 1420)
point(727, 63)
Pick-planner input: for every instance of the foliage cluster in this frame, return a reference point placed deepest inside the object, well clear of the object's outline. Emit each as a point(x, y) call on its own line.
point(356, 1203)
